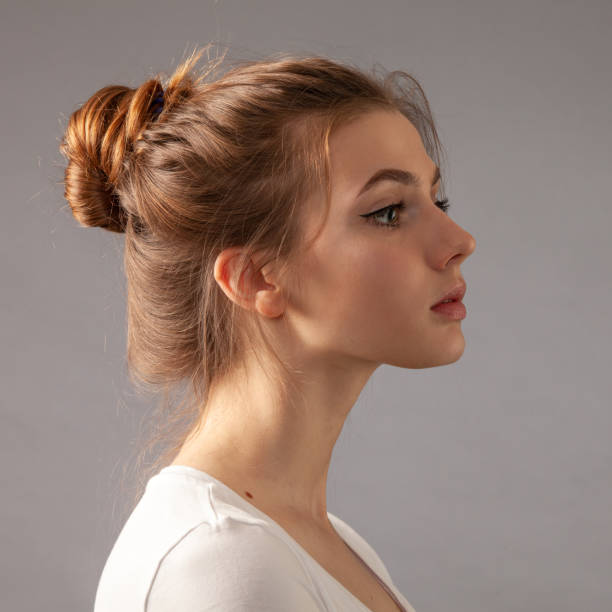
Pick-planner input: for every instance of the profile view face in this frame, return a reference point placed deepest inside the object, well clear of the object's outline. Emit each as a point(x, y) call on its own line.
point(369, 281)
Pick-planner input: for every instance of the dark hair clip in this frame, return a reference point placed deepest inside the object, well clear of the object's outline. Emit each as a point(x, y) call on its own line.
point(157, 104)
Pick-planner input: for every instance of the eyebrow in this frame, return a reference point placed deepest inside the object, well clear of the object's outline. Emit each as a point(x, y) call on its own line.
point(404, 177)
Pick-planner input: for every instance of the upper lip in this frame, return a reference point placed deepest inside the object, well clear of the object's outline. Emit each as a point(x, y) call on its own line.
point(456, 293)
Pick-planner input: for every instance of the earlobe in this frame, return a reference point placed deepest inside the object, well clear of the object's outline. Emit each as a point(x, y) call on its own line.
point(268, 295)
point(268, 303)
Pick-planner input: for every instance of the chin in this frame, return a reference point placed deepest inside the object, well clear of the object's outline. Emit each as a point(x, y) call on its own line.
point(450, 353)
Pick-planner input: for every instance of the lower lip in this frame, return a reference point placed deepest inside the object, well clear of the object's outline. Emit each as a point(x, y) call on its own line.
point(452, 310)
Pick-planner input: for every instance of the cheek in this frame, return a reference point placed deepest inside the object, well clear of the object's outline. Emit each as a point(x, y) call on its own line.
point(386, 288)
point(364, 290)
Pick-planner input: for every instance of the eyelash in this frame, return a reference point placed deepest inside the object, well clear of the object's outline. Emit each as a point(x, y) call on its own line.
point(400, 206)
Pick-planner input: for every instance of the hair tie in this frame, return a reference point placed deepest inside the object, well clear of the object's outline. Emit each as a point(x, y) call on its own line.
point(158, 103)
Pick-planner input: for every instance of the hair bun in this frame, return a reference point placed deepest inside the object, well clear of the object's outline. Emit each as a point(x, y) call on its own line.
point(96, 141)
point(93, 203)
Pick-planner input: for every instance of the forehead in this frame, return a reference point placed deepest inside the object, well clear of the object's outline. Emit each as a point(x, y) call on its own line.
point(378, 139)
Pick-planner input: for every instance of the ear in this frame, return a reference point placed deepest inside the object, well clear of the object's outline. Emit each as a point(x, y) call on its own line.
point(254, 289)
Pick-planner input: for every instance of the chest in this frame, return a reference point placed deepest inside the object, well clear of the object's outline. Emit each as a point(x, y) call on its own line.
point(343, 564)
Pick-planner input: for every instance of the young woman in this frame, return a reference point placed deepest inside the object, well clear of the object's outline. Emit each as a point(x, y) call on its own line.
point(284, 237)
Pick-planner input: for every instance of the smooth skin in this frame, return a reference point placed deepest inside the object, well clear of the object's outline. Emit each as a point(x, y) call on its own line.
point(363, 299)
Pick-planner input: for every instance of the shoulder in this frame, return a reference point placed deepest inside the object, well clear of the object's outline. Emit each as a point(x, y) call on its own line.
point(231, 566)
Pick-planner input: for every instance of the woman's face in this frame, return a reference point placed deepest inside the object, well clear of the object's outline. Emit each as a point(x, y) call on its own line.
point(365, 290)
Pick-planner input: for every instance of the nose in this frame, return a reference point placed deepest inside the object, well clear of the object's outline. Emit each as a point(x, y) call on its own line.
point(464, 247)
point(470, 244)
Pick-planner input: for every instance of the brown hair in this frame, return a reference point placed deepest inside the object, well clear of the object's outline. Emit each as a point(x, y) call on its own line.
point(228, 162)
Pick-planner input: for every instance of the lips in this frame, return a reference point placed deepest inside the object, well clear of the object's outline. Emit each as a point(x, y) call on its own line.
point(456, 293)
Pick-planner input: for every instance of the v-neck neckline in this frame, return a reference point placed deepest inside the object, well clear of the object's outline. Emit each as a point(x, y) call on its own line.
point(244, 504)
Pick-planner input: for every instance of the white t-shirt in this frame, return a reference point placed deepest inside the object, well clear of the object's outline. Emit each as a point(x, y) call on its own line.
point(193, 544)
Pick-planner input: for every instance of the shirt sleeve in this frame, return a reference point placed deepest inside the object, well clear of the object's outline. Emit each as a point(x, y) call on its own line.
point(236, 566)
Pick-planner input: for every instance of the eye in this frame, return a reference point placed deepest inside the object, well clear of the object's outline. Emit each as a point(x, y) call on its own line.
point(399, 206)
point(372, 217)
point(443, 205)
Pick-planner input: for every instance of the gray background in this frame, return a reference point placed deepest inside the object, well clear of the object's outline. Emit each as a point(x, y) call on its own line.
point(483, 485)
